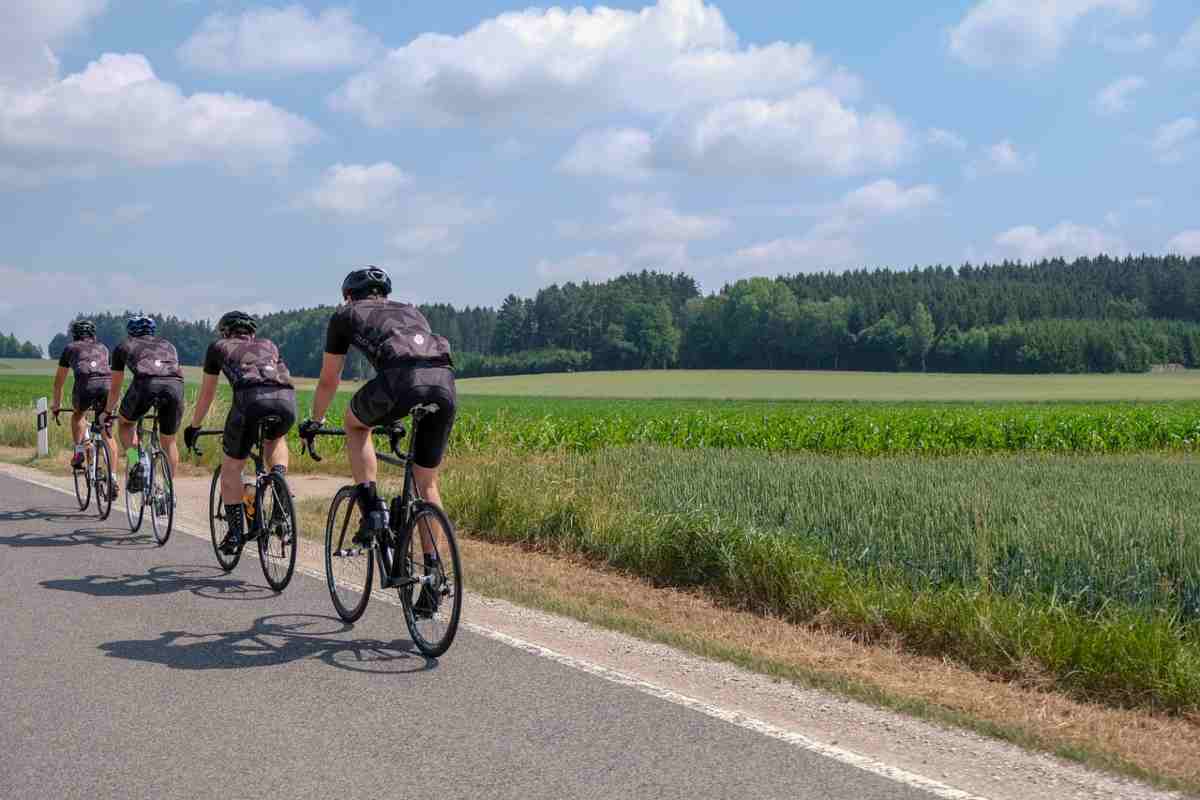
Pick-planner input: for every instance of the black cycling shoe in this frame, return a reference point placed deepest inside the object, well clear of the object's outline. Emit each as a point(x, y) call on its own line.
point(427, 604)
point(232, 544)
point(134, 484)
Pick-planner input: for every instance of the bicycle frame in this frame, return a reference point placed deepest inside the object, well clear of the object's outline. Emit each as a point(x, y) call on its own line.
point(400, 510)
point(260, 472)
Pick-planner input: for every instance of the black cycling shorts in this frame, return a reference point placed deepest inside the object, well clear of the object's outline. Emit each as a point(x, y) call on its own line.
point(91, 393)
point(250, 407)
point(165, 394)
point(392, 393)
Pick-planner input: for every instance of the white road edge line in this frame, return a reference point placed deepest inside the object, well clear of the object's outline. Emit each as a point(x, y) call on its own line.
point(841, 755)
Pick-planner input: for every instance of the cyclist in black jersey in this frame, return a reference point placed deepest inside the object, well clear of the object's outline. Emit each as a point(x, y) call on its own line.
point(157, 383)
point(413, 367)
point(88, 360)
point(262, 389)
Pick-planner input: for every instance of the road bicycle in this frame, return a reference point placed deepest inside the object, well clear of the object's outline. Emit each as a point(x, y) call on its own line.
point(158, 487)
point(417, 553)
point(270, 515)
point(95, 476)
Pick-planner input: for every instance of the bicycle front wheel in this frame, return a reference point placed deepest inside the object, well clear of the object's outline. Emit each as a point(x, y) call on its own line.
point(218, 525)
point(277, 539)
point(104, 482)
point(83, 486)
point(432, 602)
point(161, 498)
point(349, 568)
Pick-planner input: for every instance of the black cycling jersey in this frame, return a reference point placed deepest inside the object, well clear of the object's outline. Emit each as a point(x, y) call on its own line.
point(389, 334)
point(147, 357)
point(247, 362)
point(87, 358)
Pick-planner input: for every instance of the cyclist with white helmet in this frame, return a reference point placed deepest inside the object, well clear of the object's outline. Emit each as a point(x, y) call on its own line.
point(157, 383)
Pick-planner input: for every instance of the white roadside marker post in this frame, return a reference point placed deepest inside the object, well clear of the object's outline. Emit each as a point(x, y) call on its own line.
point(43, 427)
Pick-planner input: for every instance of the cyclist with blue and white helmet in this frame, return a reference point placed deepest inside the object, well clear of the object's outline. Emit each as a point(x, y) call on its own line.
point(157, 383)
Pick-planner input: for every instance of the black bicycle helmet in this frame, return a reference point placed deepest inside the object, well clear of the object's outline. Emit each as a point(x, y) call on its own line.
point(366, 281)
point(83, 329)
point(237, 322)
point(141, 325)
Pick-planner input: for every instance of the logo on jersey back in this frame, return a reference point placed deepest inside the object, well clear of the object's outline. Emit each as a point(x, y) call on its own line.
point(93, 363)
point(419, 339)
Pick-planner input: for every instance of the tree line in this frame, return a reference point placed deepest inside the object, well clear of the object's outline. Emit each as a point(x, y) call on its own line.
point(1088, 315)
point(12, 347)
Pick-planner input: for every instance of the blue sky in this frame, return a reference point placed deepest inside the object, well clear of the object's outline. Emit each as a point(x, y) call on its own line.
point(189, 156)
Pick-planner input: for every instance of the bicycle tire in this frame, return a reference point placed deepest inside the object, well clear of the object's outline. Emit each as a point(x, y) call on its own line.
point(104, 483)
point(218, 527)
point(162, 497)
point(83, 486)
point(132, 499)
point(432, 634)
point(347, 573)
point(278, 540)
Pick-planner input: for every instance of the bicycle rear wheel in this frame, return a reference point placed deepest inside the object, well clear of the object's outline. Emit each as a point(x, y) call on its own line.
point(135, 505)
point(104, 482)
point(218, 526)
point(161, 498)
point(433, 602)
point(349, 568)
point(277, 539)
point(83, 486)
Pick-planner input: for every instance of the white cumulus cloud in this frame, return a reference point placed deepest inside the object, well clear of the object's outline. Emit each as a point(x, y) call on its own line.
point(622, 153)
point(118, 109)
point(31, 29)
point(1186, 54)
point(1025, 32)
point(279, 40)
point(551, 66)
point(1065, 240)
point(1185, 244)
point(1002, 158)
point(809, 132)
point(1173, 139)
point(591, 265)
point(1114, 98)
point(887, 198)
point(358, 190)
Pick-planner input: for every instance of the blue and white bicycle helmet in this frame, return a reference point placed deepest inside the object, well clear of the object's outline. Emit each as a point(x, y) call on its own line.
point(141, 326)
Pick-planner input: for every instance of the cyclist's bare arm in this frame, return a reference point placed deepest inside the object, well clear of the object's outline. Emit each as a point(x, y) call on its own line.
point(114, 391)
point(208, 390)
point(60, 378)
point(327, 385)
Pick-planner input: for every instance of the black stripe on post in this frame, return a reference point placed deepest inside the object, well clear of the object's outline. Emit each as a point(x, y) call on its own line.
point(42, 422)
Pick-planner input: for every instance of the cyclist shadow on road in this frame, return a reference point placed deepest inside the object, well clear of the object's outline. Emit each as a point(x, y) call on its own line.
point(44, 515)
point(271, 641)
point(203, 581)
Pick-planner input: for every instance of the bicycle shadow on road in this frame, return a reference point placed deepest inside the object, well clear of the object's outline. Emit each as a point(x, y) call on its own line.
point(274, 640)
point(204, 581)
point(108, 538)
point(44, 515)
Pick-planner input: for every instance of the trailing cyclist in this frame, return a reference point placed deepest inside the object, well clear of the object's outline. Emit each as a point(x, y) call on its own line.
point(262, 388)
point(157, 383)
point(88, 360)
point(413, 367)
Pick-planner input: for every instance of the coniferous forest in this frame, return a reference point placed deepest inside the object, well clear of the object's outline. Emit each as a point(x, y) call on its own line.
point(1089, 315)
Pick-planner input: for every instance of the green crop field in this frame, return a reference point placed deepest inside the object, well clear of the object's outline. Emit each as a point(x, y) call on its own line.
point(884, 386)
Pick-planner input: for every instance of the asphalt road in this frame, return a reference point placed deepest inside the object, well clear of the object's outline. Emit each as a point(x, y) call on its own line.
point(128, 670)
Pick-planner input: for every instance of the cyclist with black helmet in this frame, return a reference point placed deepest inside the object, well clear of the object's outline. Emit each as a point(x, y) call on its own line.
point(88, 360)
point(157, 383)
point(262, 389)
point(413, 367)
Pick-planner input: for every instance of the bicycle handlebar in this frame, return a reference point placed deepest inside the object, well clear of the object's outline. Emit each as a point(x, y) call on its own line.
point(394, 433)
